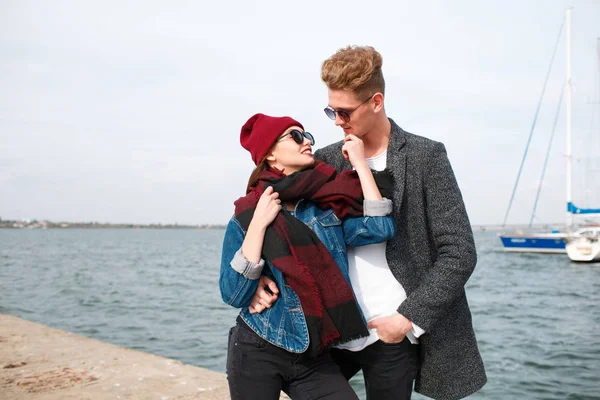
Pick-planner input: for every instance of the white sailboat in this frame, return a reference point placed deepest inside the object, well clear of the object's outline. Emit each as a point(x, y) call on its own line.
point(583, 245)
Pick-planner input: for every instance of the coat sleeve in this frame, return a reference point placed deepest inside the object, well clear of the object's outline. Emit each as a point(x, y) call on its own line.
point(238, 278)
point(450, 232)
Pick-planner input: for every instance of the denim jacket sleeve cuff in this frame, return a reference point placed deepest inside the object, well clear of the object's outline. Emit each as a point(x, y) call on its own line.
point(377, 208)
point(247, 268)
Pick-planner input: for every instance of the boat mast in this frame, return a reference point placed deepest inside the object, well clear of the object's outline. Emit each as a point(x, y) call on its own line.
point(569, 222)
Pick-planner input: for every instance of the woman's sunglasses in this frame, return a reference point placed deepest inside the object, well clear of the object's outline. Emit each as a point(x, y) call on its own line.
point(299, 136)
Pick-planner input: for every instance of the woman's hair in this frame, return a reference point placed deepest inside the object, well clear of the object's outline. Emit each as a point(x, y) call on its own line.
point(260, 168)
point(355, 68)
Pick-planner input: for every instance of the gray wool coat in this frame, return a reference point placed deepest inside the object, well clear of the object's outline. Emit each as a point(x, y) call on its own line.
point(432, 256)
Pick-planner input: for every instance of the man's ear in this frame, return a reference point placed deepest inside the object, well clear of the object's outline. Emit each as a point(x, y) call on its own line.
point(378, 101)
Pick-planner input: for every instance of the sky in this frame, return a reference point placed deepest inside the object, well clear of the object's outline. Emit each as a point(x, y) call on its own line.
point(130, 111)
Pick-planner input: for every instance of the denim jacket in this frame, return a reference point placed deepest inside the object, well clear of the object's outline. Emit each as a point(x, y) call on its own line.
point(284, 324)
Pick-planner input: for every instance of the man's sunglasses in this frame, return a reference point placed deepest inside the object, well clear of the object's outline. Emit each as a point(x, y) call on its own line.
point(299, 136)
point(343, 114)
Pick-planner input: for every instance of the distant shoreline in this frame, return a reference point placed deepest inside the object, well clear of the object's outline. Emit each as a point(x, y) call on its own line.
point(34, 224)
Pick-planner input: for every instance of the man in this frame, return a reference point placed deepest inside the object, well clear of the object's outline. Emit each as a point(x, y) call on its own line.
point(412, 290)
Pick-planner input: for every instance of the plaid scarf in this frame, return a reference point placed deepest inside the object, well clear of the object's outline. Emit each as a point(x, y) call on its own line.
point(329, 306)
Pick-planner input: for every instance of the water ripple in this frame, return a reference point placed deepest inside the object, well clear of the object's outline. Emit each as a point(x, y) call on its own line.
point(536, 317)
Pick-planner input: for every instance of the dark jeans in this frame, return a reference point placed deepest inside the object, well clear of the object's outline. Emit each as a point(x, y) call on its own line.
point(258, 370)
point(389, 369)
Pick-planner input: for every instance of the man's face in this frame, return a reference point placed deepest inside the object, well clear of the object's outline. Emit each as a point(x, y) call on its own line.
point(359, 110)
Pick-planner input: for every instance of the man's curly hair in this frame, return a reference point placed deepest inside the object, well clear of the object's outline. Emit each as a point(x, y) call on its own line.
point(355, 68)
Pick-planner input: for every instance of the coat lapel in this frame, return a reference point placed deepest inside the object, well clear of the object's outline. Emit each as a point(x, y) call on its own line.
point(346, 163)
point(337, 159)
point(396, 162)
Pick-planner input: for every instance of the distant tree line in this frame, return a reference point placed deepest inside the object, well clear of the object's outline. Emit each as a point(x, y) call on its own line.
point(45, 224)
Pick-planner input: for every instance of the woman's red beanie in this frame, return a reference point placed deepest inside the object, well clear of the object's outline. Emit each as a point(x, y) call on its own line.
point(261, 131)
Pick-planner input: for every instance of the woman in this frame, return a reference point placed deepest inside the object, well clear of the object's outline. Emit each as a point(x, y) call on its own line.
point(294, 225)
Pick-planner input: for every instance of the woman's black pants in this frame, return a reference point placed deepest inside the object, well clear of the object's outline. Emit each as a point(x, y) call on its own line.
point(259, 370)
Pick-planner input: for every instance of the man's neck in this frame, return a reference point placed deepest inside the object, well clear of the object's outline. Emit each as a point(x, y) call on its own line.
point(377, 139)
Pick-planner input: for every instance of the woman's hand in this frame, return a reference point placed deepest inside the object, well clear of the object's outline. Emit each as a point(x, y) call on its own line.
point(265, 212)
point(267, 208)
point(354, 150)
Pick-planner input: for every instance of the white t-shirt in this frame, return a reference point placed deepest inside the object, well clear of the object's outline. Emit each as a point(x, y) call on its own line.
point(378, 292)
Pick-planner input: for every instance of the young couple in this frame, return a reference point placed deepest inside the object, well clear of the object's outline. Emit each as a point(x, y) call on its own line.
point(331, 276)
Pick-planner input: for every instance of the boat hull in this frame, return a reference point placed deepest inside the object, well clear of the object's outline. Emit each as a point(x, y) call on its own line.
point(543, 243)
point(584, 245)
point(584, 251)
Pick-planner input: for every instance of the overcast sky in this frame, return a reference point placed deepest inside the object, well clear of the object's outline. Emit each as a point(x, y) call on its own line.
point(130, 111)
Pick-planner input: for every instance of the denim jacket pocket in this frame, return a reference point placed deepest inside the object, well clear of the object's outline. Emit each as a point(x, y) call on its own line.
point(329, 219)
point(331, 228)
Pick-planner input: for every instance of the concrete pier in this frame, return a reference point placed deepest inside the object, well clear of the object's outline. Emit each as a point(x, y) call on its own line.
point(37, 362)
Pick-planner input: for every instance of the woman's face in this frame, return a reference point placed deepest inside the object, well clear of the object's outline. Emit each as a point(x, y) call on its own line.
point(289, 156)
